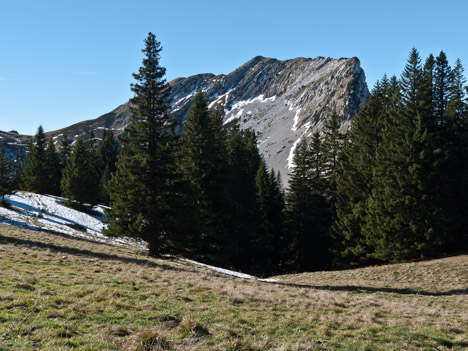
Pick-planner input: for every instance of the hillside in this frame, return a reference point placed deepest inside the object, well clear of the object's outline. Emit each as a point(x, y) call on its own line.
point(63, 293)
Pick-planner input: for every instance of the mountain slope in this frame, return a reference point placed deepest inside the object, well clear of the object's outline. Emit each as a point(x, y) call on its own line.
point(281, 100)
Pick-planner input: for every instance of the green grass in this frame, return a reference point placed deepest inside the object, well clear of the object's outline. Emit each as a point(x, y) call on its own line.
point(59, 293)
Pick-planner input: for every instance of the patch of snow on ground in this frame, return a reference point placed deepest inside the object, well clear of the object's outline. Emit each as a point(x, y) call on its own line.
point(46, 212)
point(229, 272)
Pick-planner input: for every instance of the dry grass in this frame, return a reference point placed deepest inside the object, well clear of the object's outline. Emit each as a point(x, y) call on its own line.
point(59, 293)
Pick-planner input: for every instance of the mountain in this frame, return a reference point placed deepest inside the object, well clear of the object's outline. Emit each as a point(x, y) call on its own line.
point(281, 100)
point(14, 142)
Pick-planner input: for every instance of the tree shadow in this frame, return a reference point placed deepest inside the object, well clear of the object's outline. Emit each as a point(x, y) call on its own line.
point(367, 289)
point(88, 253)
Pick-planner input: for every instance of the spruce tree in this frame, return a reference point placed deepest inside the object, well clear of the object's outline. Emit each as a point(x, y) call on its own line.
point(16, 168)
point(298, 208)
point(202, 165)
point(307, 216)
point(106, 157)
point(65, 151)
point(401, 214)
point(355, 175)
point(441, 81)
point(243, 158)
point(276, 218)
point(455, 164)
point(264, 240)
point(330, 152)
point(33, 173)
point(52, 169)
point(6, 187)
point(78, 181)
point(141, 189)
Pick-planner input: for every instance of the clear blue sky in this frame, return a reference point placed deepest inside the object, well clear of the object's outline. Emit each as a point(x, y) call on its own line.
point(65, 61)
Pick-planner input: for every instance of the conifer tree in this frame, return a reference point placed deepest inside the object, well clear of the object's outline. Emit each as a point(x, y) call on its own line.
point(33, 174)
point(5, 177)
point(276, 218)
point(243, 158)
point(455, 164)
point(332, 146)
point(16, 169)
point(298, 208)
point(441, 89)
point(401, 216)
point(264, 240)
point(141, 189)
point(355, 178)
point(78, 182)
point(106, 157)
point(203, 164)
point(307, 211)
point(65, 151)
point(52, 169)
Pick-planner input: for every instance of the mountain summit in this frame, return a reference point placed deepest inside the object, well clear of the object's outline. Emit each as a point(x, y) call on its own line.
point(281, 100)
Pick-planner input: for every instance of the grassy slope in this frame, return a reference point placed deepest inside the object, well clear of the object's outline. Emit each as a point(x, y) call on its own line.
point(105, 298)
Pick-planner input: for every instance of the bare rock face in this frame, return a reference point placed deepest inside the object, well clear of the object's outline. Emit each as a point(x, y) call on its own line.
point(283, 101)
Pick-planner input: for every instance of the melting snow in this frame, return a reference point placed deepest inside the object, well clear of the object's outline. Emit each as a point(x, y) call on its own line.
point(229, 272)
point(238, 107)
point(45, 212)
point(296, 119)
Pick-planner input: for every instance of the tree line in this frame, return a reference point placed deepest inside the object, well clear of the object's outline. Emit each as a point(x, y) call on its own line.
point(78, 170)
point(393, 188)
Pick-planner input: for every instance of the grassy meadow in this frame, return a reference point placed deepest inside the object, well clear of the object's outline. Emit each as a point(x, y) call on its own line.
point(60, 293)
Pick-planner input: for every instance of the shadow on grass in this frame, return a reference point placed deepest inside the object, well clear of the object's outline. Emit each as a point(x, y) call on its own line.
point(87, 253)
point(366, 289)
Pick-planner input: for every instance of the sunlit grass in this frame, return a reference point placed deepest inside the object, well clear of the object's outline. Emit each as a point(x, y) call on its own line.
point(58, 293)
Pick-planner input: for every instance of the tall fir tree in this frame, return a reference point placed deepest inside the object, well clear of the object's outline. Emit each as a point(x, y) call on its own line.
point(65, 151)
point(307, 216)
point(264, 240)
point(441, 91)
point(33, 173)
point(52, 169)
point(355, 178)
point(16, 168)
point(243, 158)
point(455, 164)
point(202, 164)
point(276, 219)
point(332, 146)
point(401, 214)
point(141, 189)
point(6, 186)
point(78, 181)
point(298, 219)
point(106, 157)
